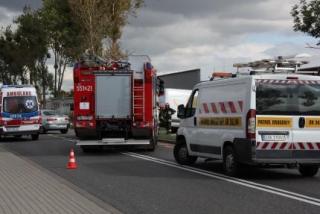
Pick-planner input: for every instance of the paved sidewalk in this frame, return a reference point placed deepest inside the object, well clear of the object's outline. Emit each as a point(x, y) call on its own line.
point(26, 188)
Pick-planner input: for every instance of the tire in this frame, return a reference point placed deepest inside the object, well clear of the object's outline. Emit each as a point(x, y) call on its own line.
point(308, 170)
point(43, 130)
point(64, 131)
point(91, 149)
point(181, 154)
point(35, 136)
point(152, 146)
point(230, 166)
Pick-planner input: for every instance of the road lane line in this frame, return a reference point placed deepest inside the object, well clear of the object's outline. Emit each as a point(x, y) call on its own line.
point(249, 184)
point(242, 182)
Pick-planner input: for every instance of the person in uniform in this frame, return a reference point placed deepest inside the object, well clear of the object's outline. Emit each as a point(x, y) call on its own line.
point(165, 117)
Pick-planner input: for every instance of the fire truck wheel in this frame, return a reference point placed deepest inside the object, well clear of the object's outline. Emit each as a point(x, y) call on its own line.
point(308, 170)
point(64, 131)
point(152, 146)
point(91, 149)
point(230, 166)
point(181, 153)
point(35, 136)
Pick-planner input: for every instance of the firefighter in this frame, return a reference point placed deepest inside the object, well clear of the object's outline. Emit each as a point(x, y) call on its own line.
point(165, 117)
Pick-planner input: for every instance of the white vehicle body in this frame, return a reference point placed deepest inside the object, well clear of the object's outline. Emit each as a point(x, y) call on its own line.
point(19, 111)
point(266, 118)
point(174, 97)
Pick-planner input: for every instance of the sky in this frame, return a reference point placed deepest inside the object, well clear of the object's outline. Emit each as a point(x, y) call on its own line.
point(208, 34)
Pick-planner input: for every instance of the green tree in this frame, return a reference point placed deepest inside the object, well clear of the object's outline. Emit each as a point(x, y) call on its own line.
point(306, 17)
point(32, 40)
point(11, 59)
point(104, 19)
point(63, 37)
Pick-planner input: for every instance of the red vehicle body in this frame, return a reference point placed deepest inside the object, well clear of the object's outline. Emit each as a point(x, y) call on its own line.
point(115, 104)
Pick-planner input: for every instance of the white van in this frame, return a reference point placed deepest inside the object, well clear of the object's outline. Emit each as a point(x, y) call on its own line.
point(256, 119)
point(19, 110)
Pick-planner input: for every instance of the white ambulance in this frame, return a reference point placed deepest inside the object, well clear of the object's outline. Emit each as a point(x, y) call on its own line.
point(254, 119)
point(19, 109)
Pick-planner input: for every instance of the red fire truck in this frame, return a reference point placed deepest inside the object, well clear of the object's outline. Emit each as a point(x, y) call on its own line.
point(115, 103)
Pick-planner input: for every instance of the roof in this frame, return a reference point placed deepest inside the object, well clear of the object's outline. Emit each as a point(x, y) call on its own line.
point(177, 72)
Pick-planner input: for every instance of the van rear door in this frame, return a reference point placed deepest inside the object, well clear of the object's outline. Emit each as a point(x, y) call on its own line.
point(288, 119)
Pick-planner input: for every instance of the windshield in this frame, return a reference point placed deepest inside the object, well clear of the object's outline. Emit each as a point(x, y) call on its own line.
point(17, 105)
point(49, 113)
point(288, 99)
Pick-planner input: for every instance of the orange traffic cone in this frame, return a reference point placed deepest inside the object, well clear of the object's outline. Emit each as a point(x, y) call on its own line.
point(72, 161)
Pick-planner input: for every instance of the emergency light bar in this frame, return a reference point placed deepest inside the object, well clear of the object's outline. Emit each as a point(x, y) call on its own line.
point(279, 64)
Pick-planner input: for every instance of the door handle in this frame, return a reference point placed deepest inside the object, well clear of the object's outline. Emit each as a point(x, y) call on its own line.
point(302, 122)
point(195, 121)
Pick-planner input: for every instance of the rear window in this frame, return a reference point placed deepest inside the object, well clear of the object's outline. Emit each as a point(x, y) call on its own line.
point(288, 99)
point(49, 113)
point(18, 105)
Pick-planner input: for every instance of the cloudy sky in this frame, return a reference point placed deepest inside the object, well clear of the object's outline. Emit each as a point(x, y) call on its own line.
point(206, 34)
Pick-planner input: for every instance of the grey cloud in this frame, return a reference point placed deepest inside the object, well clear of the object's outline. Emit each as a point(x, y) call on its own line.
point(17, 5)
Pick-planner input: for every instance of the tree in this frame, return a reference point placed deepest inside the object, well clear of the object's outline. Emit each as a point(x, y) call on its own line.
point(306, 17)
point(63, 37)
point(104, 19)
point(31, 39)
point(12, 66)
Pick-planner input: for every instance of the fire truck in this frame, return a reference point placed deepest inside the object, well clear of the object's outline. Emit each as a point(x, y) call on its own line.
point(115, 103)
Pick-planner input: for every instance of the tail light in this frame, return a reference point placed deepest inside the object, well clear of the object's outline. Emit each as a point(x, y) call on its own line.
point(251, 124)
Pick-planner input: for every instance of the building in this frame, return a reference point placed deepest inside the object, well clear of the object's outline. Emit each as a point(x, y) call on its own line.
point(61, 105)
point(181, 80)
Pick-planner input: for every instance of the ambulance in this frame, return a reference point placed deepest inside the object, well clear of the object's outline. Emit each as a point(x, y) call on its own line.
point(265, 118)
point(19, 110)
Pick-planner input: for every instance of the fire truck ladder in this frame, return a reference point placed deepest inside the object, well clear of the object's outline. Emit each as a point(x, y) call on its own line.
point(139, 99)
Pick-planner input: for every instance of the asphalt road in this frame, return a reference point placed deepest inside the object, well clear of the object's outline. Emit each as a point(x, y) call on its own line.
point(150, 182)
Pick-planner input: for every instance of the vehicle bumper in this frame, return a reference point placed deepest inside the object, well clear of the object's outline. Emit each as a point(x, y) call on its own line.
point(33, 130)
point(245, 152)
point(112, 142)
point(56, 126)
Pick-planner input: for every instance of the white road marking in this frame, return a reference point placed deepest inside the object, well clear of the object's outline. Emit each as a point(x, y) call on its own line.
point(249, 184)
point(242, 182)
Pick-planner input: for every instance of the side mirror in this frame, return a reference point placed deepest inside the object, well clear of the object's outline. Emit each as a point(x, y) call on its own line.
point(181, 111)
point(71, 107)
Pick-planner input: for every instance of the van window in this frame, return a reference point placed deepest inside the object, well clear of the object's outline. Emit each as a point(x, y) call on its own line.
point(192, 104)
point(288, 99)
point(18, 105)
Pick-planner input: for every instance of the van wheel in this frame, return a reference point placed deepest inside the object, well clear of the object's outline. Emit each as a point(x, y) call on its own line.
point(35, 136)
point(230, 166)
point(308, 170)
point(181, 154)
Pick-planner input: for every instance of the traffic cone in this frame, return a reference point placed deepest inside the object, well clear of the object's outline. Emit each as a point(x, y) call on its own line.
point(72, 161)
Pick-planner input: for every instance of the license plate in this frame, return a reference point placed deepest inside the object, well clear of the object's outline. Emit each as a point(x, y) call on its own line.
point(273, 137)
point(13, 129)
